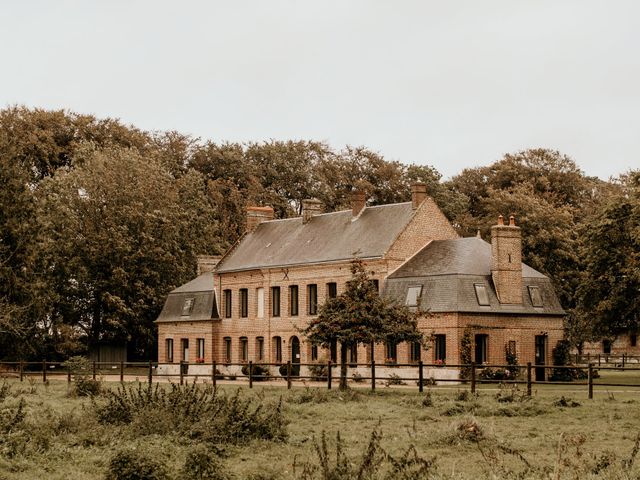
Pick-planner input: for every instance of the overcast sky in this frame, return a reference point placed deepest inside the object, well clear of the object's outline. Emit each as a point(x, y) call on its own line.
point(450, 84)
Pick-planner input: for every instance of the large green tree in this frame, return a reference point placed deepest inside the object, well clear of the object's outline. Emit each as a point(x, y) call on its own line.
point(361, 316)
point(120, 231)
point(610, 288)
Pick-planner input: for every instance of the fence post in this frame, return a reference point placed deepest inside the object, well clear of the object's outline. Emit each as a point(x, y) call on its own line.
point(528, 379)
point(289, 374)
point(213, 373)
point(44, 370)
point(373, 375)
point(329, 374)
point(473, 377)
point(21, 371)
point(420, 377)
point(590, 380)
point(94, 370)
point(121, 371)
point(623, 355)
point(599, 364)
point(181, 372)
point(68, 373)
point(577, 358)
point(250, 374)
point(150, 372)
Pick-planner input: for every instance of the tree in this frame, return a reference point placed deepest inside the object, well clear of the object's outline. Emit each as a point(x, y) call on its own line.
point(119, 232)
point(361, 316)
point(609, 292)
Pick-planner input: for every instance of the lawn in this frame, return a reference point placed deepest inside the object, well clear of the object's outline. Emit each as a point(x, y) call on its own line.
point(555, 432)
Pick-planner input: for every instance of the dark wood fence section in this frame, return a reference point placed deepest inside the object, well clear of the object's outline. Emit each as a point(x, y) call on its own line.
point(471, 374)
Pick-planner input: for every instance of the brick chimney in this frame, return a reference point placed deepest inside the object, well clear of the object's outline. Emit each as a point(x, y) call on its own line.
point(418, 194)
point(207, 263)
point(310, 208)
point(358, 202)
point(506, 261)
point(257, 215)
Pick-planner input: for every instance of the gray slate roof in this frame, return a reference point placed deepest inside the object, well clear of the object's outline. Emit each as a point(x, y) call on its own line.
point(204, 307)
point(448, 270)
point(325, 238)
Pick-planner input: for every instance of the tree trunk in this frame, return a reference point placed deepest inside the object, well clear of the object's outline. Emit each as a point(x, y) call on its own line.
point(343, 365)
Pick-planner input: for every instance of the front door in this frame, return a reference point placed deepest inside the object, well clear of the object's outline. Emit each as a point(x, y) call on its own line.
point(541, 355)
point(295, 356)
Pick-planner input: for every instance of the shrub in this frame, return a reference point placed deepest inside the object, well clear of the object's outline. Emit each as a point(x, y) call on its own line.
point(394, 379)
point(259, 372)
point(427, 400)
point(295, 370)
point(373, 463)
point(194, 409)
point(5, 389)
point(202, 464)
point(561, 356)
point(495, 374)
point(357, 377)
point(134, 465)
point(83, 383)
point(510, 394)
point(319, 372)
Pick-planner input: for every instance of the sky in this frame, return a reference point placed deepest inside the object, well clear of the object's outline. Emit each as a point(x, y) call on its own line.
point(450, 84)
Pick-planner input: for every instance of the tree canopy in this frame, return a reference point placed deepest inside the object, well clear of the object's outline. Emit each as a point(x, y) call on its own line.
point(360, 315)
point(100, 220)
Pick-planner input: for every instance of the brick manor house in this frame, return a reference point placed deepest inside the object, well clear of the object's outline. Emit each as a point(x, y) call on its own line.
point(250, 304)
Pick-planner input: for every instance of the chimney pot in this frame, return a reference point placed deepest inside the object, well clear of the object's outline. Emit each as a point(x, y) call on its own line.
point(257, 215)
point(358, 202)
point(418, 194)
point(500, 220)
point(512, 221)
point(310, 208)
point(207, 263)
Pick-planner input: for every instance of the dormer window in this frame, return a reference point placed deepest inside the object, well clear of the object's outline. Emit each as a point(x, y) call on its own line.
point(187, 307)
point(481, 294)
point(413, 295)
point(535, 295)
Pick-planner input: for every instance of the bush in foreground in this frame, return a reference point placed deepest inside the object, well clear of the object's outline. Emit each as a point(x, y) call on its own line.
point(199, 411)
point(134, 465)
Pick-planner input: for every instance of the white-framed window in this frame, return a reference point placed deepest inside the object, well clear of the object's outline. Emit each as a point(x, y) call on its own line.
point(481, 294)
point(169, 350)
point(260, 302)
point(200, 349)
point(187, 307)
point(535, 295)
point(414, 293)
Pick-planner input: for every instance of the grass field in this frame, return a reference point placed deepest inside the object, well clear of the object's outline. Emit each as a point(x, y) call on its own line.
point(555, 434)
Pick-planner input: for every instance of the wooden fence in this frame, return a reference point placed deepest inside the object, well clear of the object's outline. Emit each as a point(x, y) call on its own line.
point(290, 372)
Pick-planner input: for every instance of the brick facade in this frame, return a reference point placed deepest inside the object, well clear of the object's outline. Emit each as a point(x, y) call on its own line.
point(245, 328)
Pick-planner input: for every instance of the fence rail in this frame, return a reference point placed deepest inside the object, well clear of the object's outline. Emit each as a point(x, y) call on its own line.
point(328, 373)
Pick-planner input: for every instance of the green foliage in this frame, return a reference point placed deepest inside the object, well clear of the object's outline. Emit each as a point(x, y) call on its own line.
point(465, 355)
point(490, 373)
point(259, 372)
point(360, 315)
point(609, 291)
point(561, 356)
point(135, 465)
point(199, 410)
point(319, 372)
point(83, 383)
point(203, 464)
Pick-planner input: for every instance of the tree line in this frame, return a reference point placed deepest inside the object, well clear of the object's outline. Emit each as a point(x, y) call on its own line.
point(100, 220)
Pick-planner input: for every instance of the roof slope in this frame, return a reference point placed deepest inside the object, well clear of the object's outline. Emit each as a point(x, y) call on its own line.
point(201, 291)
point(448, 271)
point(325, 238)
